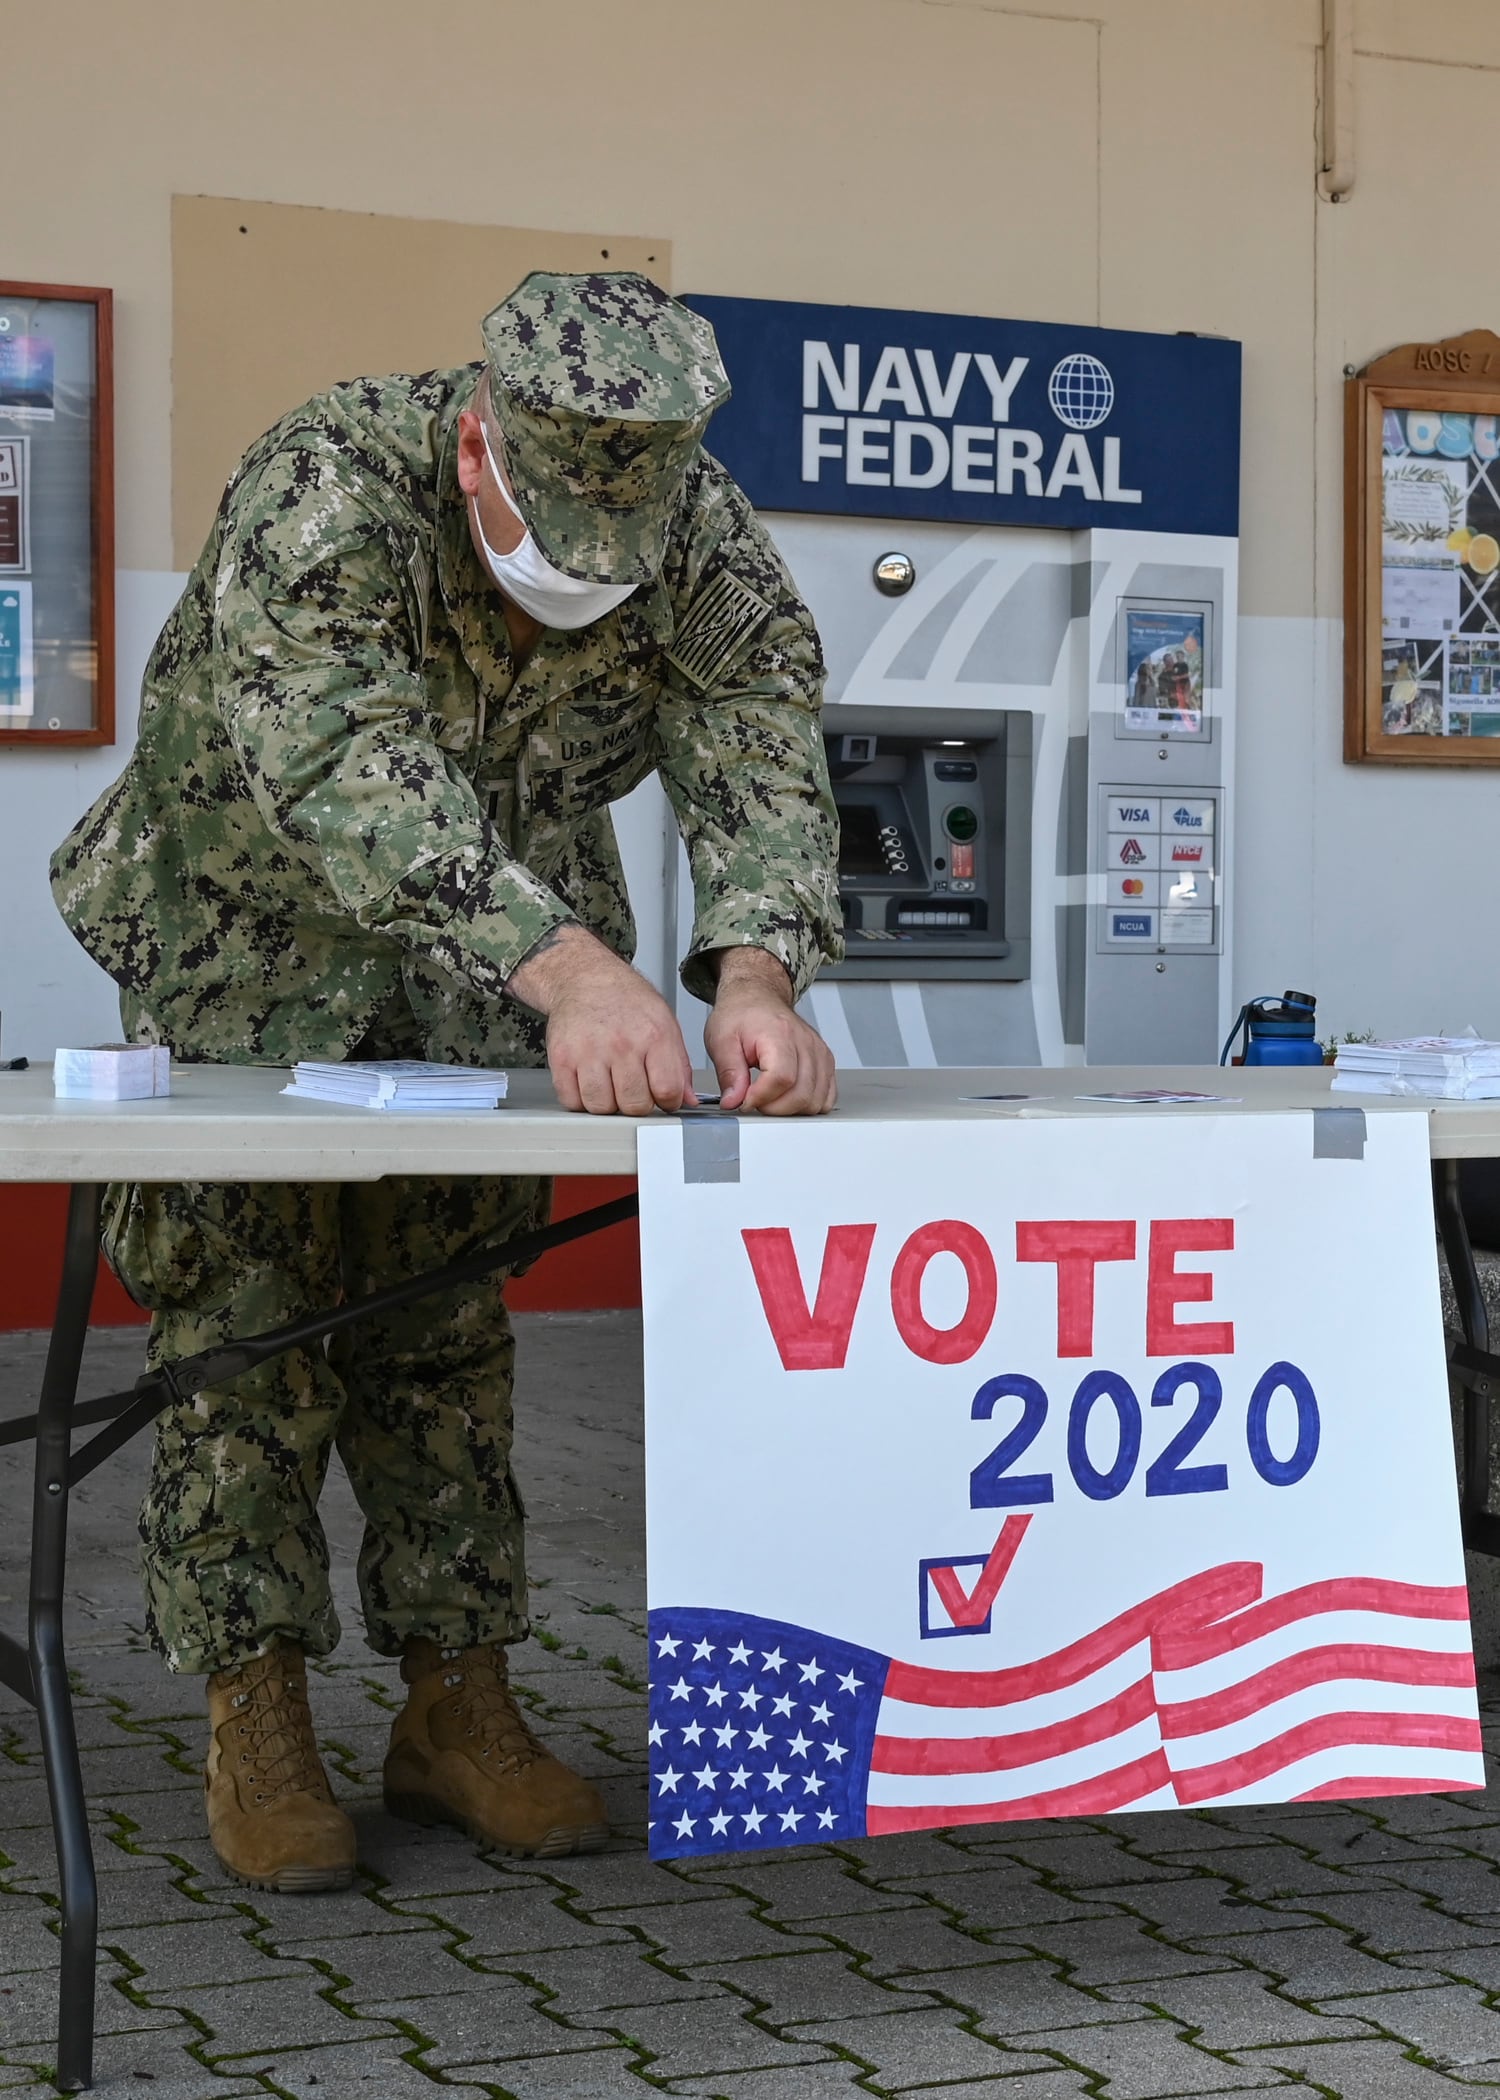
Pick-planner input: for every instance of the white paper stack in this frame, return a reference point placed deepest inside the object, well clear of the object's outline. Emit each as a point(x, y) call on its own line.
point(393, 1083)
point(112, 1072)
point(1437, 1067)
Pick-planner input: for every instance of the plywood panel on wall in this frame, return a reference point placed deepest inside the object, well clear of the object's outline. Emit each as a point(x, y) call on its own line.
point(273, 302)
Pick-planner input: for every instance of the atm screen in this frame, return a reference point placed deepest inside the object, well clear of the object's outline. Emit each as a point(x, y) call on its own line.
point(859, 849)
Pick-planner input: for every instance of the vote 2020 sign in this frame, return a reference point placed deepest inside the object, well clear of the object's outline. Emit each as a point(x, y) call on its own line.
point(869, 411)
point(1042, 1467)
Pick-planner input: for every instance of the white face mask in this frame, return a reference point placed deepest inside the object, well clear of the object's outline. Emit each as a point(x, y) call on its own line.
point(529, 579)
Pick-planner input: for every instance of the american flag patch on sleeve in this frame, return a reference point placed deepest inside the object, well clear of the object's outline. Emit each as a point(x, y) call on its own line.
point(718, 625)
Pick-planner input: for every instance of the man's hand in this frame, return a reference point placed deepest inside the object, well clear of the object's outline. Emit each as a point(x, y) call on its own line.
point(613, 1043)
point(753, 1025)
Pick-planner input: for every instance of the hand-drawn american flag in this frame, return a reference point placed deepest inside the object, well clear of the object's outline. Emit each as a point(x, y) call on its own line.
point(764, 1733)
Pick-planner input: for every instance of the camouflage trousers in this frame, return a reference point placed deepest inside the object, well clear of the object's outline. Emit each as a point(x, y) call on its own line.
point(418, 1402)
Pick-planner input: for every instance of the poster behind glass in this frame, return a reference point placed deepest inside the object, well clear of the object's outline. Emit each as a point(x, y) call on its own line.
point(1164, 658)
point(1440, 573)
point(56, 538)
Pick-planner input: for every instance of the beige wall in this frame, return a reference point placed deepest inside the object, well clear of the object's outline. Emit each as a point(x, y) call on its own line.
point(1139, 163)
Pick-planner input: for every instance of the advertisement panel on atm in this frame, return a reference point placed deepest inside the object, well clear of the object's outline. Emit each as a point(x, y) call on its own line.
point(874, 412)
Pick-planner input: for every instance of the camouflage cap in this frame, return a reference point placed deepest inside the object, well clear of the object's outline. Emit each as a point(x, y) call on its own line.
point(602, 386)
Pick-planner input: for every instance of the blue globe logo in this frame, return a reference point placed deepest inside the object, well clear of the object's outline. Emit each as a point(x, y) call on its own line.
point(1081, 391)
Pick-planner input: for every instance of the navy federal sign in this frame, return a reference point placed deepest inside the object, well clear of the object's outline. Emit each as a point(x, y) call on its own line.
point(868, 412)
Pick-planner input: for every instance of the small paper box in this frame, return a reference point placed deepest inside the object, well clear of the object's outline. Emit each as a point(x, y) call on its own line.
point(112, 1072)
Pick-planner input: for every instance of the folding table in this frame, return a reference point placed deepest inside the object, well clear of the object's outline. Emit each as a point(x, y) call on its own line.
point(233, 1124)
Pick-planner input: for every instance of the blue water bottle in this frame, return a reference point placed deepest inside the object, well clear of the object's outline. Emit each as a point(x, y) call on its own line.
point(1277, 1031)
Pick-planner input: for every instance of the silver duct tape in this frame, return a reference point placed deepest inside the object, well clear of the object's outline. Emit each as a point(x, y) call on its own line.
point(1338, 1133)
point(710, 1148)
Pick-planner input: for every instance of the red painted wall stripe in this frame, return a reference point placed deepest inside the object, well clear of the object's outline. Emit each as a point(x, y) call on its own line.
point(599, 1273)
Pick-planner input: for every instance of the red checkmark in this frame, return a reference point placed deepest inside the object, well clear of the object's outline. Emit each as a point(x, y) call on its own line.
point(974, 1608)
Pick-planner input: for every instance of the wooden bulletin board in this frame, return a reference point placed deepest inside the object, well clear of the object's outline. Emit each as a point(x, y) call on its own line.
point(274, 302)
point(57, 478)
point(1422, 555)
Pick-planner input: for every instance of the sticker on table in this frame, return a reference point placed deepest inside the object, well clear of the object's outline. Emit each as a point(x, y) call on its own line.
point(1043, 1466)
point(1154, 1096)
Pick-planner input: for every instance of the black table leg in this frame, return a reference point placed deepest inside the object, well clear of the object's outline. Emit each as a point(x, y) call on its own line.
point(1473, 1366)
point(39, 1672)
point(49, 1669)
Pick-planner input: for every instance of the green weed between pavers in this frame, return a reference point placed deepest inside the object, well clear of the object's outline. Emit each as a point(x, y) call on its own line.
point(378, 1695)
point(623, 1678)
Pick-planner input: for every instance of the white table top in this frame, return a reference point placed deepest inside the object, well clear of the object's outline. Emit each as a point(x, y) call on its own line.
point(232, 1123)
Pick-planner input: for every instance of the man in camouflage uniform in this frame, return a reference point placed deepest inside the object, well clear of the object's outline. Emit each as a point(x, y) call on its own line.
point(440, 624)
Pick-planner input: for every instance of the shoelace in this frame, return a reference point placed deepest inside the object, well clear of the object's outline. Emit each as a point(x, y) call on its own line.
point(486, 1708)
point(275, 1735)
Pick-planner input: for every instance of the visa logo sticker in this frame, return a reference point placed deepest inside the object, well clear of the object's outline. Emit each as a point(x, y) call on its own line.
point(1129, 813)
point(1131, 925)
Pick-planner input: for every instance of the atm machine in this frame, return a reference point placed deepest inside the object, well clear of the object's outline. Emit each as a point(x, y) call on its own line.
point(1097, 931)
point(1029, 727)
point(934, 878)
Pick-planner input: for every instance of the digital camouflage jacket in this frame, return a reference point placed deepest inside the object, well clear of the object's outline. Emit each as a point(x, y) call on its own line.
point(343, 785)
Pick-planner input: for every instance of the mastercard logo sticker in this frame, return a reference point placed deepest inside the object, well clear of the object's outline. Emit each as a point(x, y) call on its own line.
point(1132, 886)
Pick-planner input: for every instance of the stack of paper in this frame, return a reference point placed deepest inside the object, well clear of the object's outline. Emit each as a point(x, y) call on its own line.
point(112, 1072)
point(380, 1083)
point(1439, 1067)
point(1155, 1097)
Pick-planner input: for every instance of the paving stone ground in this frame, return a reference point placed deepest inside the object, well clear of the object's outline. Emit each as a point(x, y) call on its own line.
point(1346, 1951)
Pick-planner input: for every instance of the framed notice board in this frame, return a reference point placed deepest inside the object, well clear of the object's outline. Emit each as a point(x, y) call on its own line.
point(1422, 555)
point(57, 561)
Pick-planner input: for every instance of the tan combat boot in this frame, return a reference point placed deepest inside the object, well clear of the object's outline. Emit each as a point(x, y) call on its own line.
point(461, 1753)
point(272, 1818)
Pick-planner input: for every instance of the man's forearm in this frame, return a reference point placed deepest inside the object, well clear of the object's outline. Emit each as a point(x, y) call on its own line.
point(752, 970)
point(559, 958)
point(566, 951)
